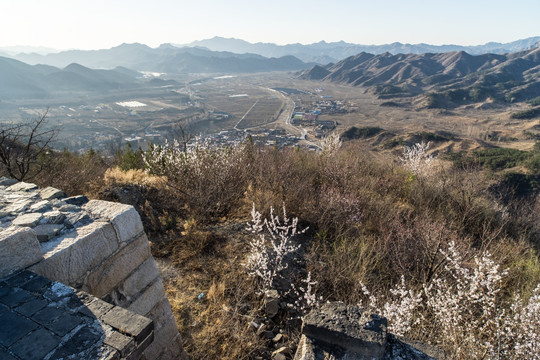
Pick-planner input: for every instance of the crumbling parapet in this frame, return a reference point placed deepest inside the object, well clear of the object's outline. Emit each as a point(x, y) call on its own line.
point(95, 246)
point(338, 331)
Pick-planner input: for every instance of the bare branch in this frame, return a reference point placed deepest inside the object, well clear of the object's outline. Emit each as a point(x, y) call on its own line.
point(24, 146)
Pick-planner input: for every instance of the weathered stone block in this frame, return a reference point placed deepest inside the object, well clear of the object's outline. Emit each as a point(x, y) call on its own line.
point(16, 297)
point(76, 217)
point(167, 338)
point(348, 327)
point(54, 217)
point(136, 354)
point(4, 355)
point(45, 232)
point(36, 284)
point(19, 248)
point(76, 200)
point(97, 308)
point(50, 193)
point(64, 324)
point(125, 219)
point(40, 206)
point(139, 279)
point(161, 313)
point(124, 344)
point(68, 207)
point(148, 299)
point(71, 256)
point(36, 345)
point(13, 327)
point(129, 323)
point(17, 207)
point(31, 219)
point(30, 308)
point(104, 278)
point(22, 186)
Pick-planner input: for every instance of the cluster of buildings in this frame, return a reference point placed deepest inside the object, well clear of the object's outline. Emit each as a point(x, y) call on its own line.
point(309, 115)
point(261, 137)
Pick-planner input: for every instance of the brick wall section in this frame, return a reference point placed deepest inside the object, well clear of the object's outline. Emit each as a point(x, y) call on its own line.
point(108, 257)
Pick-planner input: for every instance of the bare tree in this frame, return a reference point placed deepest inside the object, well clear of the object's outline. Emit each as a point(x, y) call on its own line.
point(24, 147)
point(182, 134)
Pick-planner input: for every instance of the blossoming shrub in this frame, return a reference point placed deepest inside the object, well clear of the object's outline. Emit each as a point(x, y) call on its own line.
point(210, 179)
point(267, 258)
point(417, 160)
point(464, 311)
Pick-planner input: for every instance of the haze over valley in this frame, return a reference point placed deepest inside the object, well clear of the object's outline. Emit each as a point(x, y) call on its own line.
point(222, 89)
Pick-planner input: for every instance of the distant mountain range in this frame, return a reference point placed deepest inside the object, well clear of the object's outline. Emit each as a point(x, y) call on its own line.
point(324, 53)
point(220, 54)
point(498, 74)
point(451, 78)
point(14, 50)
point(166, 58)
point(20, 80)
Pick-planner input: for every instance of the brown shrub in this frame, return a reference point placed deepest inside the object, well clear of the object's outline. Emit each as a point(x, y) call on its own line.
point(75, 174)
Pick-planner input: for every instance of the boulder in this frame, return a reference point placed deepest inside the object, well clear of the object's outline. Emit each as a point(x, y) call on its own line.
point(271, 303)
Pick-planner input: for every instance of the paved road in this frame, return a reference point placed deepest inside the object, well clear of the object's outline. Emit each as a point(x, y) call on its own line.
point(284, 120)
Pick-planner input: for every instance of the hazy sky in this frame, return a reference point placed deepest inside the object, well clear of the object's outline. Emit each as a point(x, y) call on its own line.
point(94, 24)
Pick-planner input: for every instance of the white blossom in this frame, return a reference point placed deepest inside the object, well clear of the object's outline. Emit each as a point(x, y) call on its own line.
point(417, 160)
point(266, 259)
point(330, 144)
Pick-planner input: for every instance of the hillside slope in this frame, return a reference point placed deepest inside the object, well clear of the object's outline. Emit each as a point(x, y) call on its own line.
point(20, 80)
point(511, 77)
point(166, 58)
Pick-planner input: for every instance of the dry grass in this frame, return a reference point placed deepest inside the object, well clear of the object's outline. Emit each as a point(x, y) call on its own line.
point(212, 299)
point(116, 176)
point(369, 219)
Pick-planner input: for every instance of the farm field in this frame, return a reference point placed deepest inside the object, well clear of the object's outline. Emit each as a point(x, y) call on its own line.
point(210, 105)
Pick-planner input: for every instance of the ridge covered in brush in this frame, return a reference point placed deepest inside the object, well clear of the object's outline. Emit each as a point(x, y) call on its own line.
point(510, 77)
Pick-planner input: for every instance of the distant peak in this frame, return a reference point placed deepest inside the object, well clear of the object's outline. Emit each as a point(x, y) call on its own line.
point(74, 66)
point(131, 45)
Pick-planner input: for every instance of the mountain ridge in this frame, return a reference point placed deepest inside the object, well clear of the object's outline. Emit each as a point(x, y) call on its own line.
point(321, 52)
point(166, 58)
point(324, 52)
point(452, 78)
point(21, 80)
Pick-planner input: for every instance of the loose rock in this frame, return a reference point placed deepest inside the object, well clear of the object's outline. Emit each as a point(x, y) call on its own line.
point(271, 303)
point(31, 219)
point(50, 193)
point(47, 231)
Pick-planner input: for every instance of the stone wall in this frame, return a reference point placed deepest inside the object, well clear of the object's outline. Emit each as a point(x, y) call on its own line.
point(95, 246)
point(341, 332)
